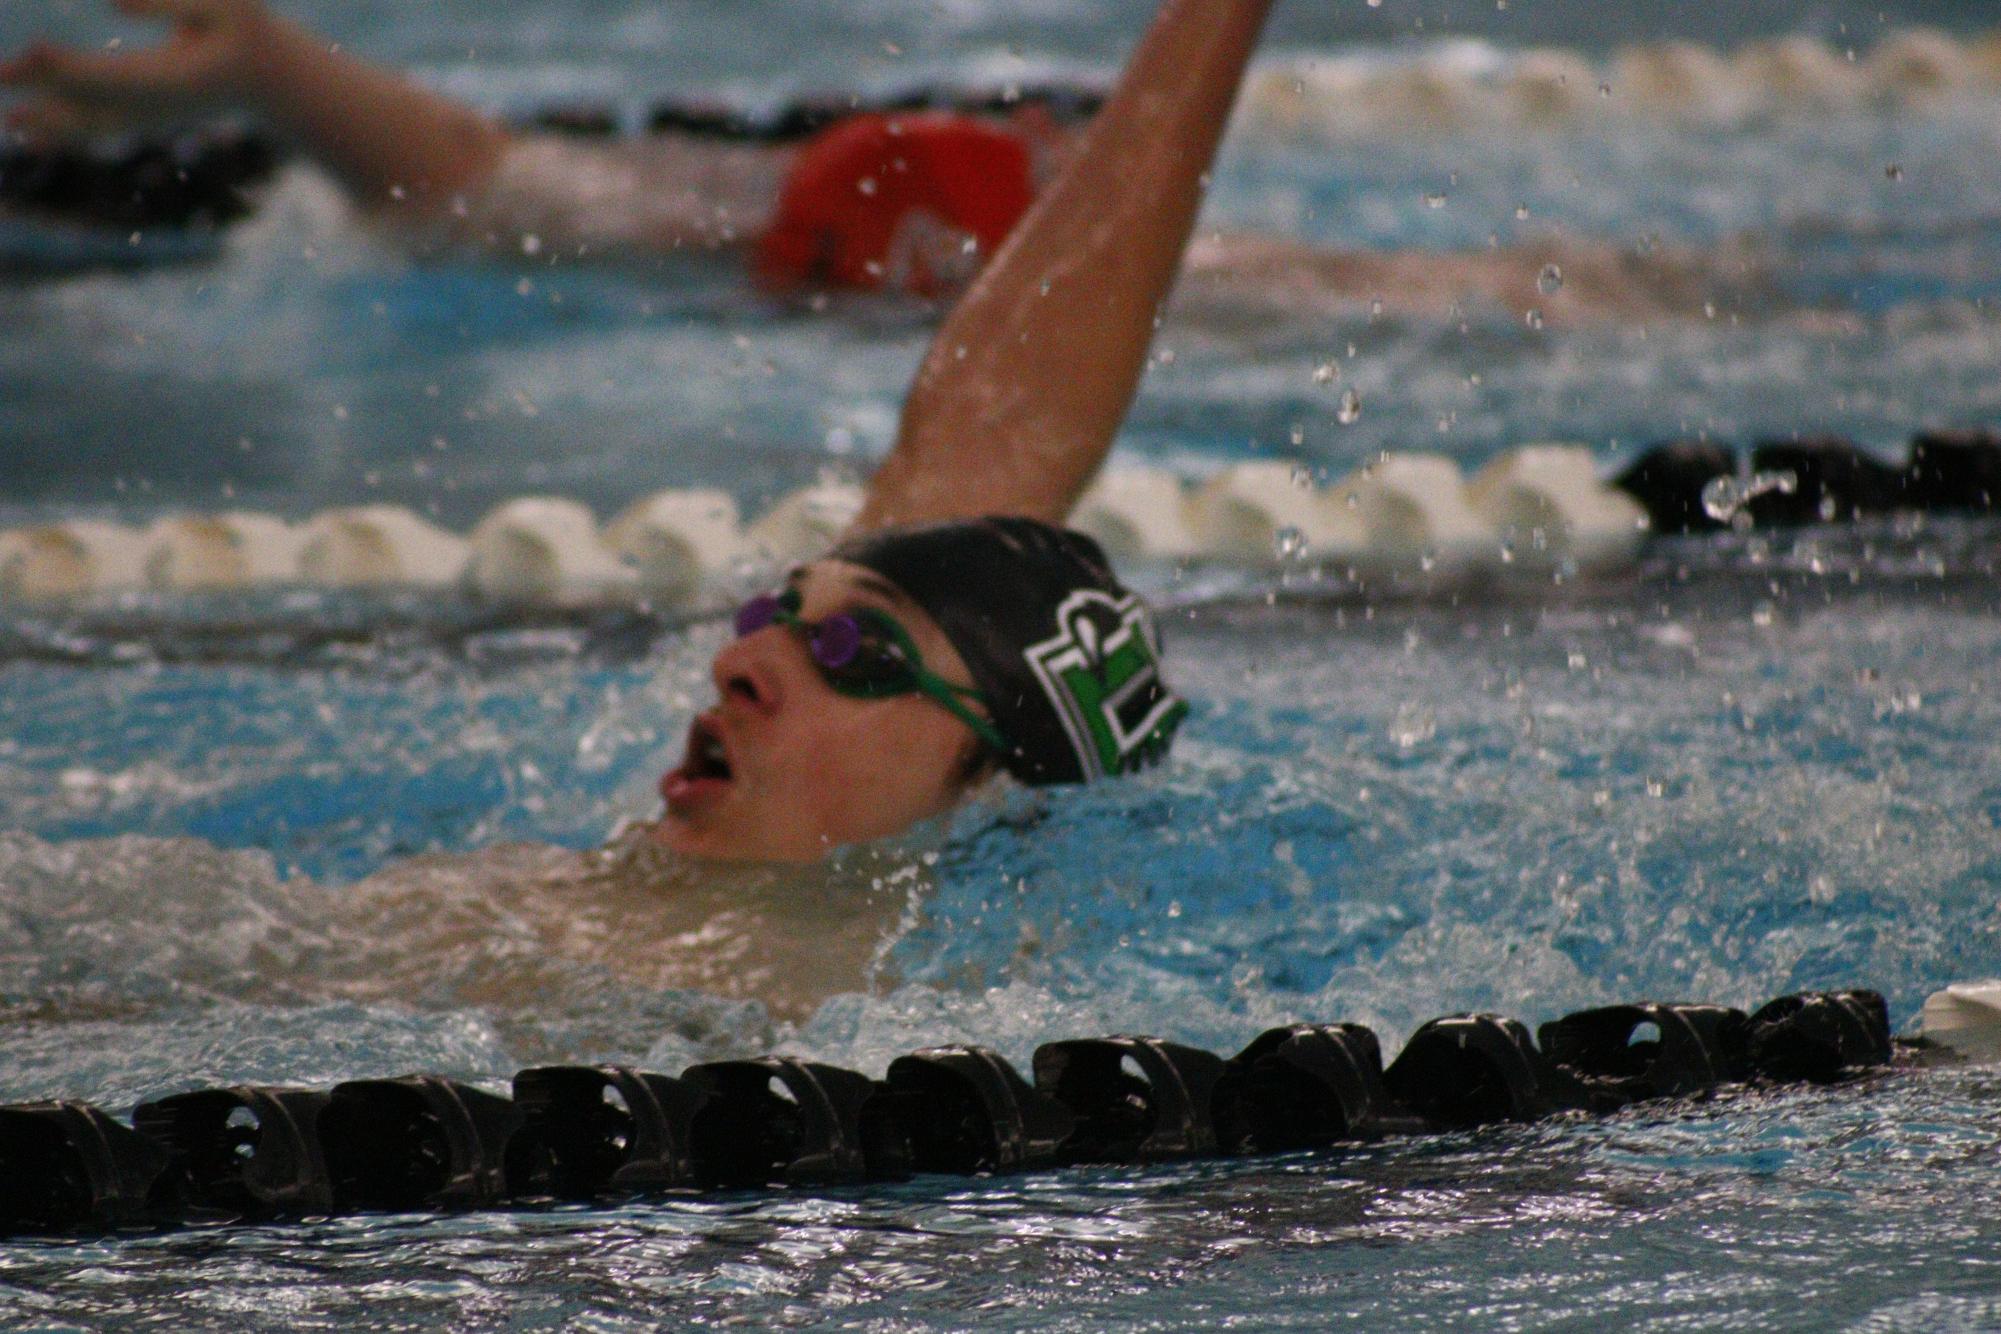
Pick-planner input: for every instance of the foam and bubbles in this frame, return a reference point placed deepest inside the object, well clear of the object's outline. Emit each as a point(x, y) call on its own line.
point(1705, 790)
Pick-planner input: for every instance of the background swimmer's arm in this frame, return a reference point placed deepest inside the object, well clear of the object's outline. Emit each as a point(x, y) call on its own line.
point(386, 138)
point(1024, 387)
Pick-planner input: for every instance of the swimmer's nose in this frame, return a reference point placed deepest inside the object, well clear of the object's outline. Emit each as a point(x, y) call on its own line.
point(746, 674)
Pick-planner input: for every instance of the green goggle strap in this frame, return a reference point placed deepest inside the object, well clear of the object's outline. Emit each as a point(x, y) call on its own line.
point(923, 680)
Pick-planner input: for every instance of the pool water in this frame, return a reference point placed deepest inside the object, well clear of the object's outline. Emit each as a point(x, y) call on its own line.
point(1754, 764)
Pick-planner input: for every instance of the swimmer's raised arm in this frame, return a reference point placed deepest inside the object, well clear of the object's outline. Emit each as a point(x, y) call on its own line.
point(387, 138)
point(1028, 380)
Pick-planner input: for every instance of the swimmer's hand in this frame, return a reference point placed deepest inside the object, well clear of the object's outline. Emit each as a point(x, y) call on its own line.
point(210, 60)
point(390, 141)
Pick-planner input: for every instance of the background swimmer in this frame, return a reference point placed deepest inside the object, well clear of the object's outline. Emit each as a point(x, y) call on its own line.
point(911, 202)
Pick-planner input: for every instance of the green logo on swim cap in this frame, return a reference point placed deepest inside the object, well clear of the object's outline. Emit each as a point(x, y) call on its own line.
point(1102, 672)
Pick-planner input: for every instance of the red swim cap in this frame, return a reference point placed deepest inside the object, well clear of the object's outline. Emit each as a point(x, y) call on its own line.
point(861, 195)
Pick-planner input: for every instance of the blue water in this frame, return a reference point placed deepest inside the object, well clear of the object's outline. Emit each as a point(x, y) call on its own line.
point(1750, 766)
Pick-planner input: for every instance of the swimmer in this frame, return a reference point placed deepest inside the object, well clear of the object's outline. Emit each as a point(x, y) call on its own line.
point(913, 202)
point(869, 201)
point(955, 634)
point(958, 632)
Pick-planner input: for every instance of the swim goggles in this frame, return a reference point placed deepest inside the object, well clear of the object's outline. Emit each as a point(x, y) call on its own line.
point(864, 654)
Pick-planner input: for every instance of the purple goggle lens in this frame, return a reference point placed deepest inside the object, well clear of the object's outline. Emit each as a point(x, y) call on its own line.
point(833, 642)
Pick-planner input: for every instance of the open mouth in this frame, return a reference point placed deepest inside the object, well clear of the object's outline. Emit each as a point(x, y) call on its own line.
point(706, 757)
point(704, 769)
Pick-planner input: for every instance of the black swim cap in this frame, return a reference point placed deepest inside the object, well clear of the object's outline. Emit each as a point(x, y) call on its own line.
point(1068, 659)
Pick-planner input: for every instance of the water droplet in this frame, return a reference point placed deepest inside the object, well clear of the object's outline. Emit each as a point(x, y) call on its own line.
point(1894, 172)
point(1435, 200)
point(1576, 661)
point(1413, 726)
point(1302, 476)
point(1521, 213)
point(866, 185)
point(1166, 356)
point(1375, 311)
point(1724, 498)
point(1604, 90)
point(1709, 310)
point(531, 244)
point(1298, 433)
point(1656, 787)
point(1289, 543)
point(1349, 408)
point(1533, 318)
point(1550, 281)
point(1326, 373)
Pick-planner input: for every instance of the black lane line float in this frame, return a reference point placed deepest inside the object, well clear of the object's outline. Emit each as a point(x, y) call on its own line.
point(1827, 480)
point(606, 1132)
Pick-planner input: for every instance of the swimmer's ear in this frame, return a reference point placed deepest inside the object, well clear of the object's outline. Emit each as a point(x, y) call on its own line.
point(978, 763)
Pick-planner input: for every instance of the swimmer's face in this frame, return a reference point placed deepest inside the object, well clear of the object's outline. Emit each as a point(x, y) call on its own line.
point(785, 768)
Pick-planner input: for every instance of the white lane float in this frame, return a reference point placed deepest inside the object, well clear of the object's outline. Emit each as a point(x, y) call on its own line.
point(675, 541)
point(1966, 1016)
point(1406, 517)
point(71, 559)
point(1546, 507)
point(542, 549)
point(237, 549)
point(806, 523)
point(1269, 513)
point(1547, 87)
point(1137, 514)
point(1414, 519)
point(369, 546)
point(1918, 64)
point(1681, 79)
point(1984, 54)
point(1799, 72)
